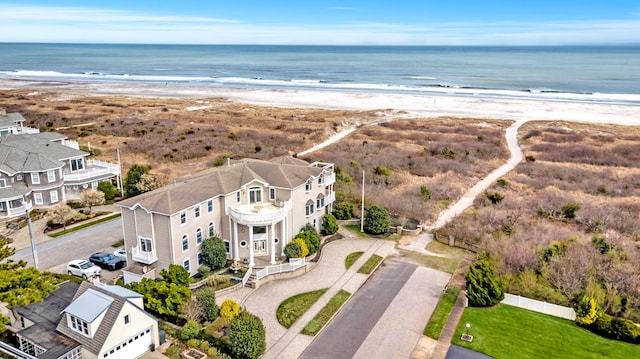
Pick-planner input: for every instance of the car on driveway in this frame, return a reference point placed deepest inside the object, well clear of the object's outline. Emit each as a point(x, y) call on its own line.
point(107, 261)
point(82, 268)
point(121, 253)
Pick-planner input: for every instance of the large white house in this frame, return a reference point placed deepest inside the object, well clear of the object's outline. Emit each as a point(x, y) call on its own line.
point(255, 206)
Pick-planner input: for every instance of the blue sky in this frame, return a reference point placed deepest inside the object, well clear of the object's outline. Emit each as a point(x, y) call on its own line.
point(373, 22)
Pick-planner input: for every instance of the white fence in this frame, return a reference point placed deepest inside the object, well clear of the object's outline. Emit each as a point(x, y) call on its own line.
point(246, 276)
point(294, 263)
point(540, 307)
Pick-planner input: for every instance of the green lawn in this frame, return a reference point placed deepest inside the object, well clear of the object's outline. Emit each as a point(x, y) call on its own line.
point(84, 225)
point(294, 307)
point(356, 228)
point(441, 248)
point(441, 313)
point(443, 264)
point(326, 313)
point(352, 258)
point(509, 332)
point(370, 264)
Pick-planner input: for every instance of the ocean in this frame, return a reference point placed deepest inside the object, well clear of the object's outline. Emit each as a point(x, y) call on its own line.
point(609, 74)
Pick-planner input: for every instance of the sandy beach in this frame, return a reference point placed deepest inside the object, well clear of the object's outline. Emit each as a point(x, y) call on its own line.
point(399, 105)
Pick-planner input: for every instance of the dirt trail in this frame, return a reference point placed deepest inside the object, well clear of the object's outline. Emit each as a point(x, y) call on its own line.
point(467, 199)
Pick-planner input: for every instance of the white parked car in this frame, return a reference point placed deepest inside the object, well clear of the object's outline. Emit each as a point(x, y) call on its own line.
point(82, 268)
point(121, 253)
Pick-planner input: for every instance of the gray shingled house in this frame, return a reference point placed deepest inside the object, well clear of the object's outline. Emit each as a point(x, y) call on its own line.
point(256, 207)
point(44, 169)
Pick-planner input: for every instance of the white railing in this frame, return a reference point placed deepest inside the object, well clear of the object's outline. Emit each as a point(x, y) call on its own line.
point(330, 179)
point(146, 257)
point(71, 143)
point(94, 168)
point(540, 307)
point(246, 276)
point(261, 217)
point(25, 130)
point(330, 197)
point(294, 263)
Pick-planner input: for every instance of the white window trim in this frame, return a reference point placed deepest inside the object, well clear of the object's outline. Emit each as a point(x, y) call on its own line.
point(307, 187)
point(238, 196)
point(199, 259)
point(253, 192)
point(184, 237)
point(210, 206)
point(3, 183)
point(53, 195)
point(199, 241)
point(37, 198)
point(183, 214)
point(196, 211)
point(209, 231)
point(76, 324)
point(35, 178)
point(272, 194)
point(51, 176)
point(188, 264)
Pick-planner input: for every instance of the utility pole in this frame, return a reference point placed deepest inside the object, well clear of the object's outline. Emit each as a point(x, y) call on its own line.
point(25, 205)
point(362, 208)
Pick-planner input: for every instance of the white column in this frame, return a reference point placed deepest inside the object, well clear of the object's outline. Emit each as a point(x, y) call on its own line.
point(251, 263)
point(283, 239)
point(236, 249)
point(273, 243)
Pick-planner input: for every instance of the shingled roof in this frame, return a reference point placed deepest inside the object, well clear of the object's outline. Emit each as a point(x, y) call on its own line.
point(223, 181)
point(96, 343)
point(34, 153)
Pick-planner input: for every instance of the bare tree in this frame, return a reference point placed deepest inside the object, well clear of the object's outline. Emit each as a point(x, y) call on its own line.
point(149, 182)
point(191, 310)
point(92, 198)
point(61, 214)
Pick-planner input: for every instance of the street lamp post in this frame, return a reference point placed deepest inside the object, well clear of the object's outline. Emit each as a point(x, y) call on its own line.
point(468, 326)
point(25, 205)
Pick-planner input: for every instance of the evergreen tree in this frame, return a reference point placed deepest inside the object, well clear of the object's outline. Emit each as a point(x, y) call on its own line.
point(376, 220)
point(483, 288)
point(329, 224)
point(247, 336)
point(133, 177)
point(214, 252)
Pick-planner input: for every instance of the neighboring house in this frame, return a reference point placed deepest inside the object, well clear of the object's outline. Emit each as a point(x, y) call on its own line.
point(256, 207)
point(86, 321)
point(13, 123)
point(44, 169)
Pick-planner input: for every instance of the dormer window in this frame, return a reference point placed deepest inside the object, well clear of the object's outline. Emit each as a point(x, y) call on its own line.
point(255, 195)
point(78, 325)
point(307, 187)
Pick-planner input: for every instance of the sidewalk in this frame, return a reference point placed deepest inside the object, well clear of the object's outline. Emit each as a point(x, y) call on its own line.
point(442, 347)
point(21, 238)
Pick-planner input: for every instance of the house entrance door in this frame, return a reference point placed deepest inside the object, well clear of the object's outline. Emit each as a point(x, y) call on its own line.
point(260, 246)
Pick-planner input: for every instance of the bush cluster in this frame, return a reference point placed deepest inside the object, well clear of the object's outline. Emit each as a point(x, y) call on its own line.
point(343, 211)
point(590, 316)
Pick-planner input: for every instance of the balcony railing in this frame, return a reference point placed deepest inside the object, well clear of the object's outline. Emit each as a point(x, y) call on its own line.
point(294, 263)
point(146, 257)
point(16, 211)
point(262, 213)
point(94, 168)
point(330, 197)
point(329, 179)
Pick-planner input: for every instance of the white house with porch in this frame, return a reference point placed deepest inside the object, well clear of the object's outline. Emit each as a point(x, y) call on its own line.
point(256, 207)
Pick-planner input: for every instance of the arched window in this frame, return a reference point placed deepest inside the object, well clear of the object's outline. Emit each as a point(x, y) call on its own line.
point(212, 230)
point(198, 235)
point(309, 208)
point(185, 243)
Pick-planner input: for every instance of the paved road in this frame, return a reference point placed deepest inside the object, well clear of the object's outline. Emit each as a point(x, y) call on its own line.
point(56, 253)
point(456, 352)
point(385, 318)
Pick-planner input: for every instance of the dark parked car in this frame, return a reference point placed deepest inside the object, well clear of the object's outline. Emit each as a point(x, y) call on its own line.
point(107, 261)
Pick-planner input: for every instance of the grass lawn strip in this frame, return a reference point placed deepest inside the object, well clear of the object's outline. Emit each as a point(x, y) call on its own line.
point(294, 307)
point(352, 258)
point(85, 225)
point(504, 330)
point(441, 248)
point(441, 313)
point(370, 264)
point(443, 264)
point(326, 313)
point(356, 229)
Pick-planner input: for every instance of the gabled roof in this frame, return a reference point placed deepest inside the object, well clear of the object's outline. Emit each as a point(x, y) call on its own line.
point(89, 305)
point(11, 119)
point(45, 316)
point(121, 291)
point(221, 181)
point(94, 344)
